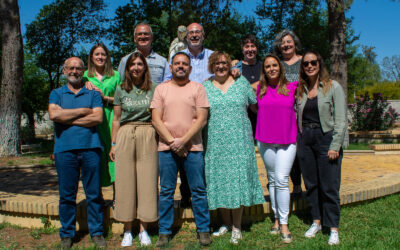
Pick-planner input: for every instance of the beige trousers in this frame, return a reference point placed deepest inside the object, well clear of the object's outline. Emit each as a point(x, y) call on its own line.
point(136, 173)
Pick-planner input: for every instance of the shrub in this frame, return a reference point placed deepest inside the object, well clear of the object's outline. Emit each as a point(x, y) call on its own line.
point(372, 114)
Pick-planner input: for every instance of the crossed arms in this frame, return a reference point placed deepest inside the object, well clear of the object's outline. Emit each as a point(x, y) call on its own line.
point(84, 117)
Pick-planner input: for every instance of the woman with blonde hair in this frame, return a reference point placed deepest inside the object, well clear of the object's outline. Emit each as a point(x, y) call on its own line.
point(321, 112)
point(276, 134)
point(104, 80)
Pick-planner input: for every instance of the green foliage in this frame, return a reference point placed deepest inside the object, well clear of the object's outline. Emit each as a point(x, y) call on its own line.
point(59, 27)
point(362, 71)
point(35, 91)
point(47, 228)
point(390, 90)
point(369, 115)
point(223, 26)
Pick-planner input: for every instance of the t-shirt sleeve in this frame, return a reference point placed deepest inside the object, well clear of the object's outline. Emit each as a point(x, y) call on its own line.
point(96, 102)
point(117, 96)
point(201, 98)
point(157, 101)
point(54, 98)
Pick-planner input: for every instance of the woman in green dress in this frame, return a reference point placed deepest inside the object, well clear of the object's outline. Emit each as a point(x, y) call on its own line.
point(230, 159)
point(104, 80)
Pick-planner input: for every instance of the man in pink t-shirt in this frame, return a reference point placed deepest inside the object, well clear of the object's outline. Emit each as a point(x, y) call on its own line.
point(179, 112)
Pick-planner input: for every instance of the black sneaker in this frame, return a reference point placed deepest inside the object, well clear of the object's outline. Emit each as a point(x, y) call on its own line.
point(163, 240)
point(66, 243)
point(99, 241)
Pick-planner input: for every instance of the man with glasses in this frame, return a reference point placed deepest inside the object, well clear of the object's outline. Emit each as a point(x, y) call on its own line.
point(198, 54)
point(76, 111)
point(158, 65)
point(199, 61)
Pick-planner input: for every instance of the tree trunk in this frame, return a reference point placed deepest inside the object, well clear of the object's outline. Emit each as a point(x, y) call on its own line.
point(337, 46)
point(12, 62)
point(337, 41)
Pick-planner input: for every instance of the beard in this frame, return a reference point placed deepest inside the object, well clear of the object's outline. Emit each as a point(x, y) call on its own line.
point(75, 82)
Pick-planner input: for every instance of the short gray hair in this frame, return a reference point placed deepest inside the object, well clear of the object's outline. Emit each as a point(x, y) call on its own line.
point(278, 41)
point(73, 57)
point(141, 24)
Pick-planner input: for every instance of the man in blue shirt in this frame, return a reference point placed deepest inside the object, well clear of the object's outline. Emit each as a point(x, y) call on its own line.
point(76, 111)
point(158, 65)
point(197, 53)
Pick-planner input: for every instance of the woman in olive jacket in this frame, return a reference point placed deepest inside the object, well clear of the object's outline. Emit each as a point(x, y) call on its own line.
point(321, 114)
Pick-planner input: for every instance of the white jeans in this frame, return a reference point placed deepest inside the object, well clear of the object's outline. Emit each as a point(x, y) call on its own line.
point(278, 161)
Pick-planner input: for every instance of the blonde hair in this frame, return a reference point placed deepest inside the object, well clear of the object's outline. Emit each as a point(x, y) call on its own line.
point(108, 70)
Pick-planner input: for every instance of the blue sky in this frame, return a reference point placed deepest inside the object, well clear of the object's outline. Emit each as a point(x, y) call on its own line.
point(376, 21)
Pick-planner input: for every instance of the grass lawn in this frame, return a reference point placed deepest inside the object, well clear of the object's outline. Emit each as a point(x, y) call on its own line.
point(358, 146)
point(369, 225)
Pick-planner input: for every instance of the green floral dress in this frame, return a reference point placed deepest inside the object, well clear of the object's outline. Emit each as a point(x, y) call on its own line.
point(230, 159)
point(107, 86)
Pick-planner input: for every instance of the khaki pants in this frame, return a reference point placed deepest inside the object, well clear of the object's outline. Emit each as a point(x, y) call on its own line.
point(136, 173)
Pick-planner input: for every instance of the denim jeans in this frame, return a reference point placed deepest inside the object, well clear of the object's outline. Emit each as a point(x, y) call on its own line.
point(69, 164)
point(193, 164)
point(278, 161)
point(321, 176)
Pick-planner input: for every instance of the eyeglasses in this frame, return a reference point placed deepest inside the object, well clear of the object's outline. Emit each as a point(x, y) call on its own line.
point(74, 68)
point(313, 63)
point(223, 63)
point(143, 34)
point(193, 32)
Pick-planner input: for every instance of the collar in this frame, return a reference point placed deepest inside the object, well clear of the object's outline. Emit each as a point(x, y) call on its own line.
point(199, 56)
point(151, 55)
point(66, 90)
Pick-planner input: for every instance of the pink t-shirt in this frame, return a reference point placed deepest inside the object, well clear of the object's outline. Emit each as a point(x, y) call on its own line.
point(178, 105)
point(276, 118)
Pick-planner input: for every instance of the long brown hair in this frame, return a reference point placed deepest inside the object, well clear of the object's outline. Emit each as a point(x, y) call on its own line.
point(108, 70)
point(282, 84)
point(144, 83)
point(323, 76)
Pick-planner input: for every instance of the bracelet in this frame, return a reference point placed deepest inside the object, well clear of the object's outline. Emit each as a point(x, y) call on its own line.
point(113, 144)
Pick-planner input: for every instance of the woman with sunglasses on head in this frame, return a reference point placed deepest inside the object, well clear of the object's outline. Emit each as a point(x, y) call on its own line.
point(134, 150)
point(101, 77)
point(286, 46)
point(321, 112)
point(276, 133)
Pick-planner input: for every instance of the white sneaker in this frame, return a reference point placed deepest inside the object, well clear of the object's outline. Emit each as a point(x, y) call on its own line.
point(236, 236)
point(144, 239)
point(313, 230)
point(333, 238)
point(127, 240)
point(221, 231)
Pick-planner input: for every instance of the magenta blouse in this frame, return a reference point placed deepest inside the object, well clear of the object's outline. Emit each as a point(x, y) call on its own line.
point(276, 118)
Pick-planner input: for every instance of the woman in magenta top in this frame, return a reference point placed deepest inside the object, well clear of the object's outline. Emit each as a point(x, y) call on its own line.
point(276, 133)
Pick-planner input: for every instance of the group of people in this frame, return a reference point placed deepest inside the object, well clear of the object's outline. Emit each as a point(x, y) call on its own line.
point(198, 115)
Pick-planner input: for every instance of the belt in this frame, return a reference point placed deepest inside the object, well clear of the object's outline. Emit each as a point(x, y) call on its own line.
point(311, 125)
point(135, 123)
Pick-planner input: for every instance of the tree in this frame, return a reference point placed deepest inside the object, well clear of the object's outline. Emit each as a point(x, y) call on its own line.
point(58, 29)
point(34, 91)
point(362, 70)
point(12, 63)
point(223, 26)
point(337, 40)
point(391, 67)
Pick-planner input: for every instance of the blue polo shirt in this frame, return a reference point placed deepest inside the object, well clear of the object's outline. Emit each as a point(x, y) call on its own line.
point(70, 137)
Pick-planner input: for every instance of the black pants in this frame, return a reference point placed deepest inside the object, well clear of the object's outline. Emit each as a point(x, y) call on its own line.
point(321, 176)
point(295, 173)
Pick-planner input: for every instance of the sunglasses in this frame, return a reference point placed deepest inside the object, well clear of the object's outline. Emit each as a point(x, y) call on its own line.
point(313, 63)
